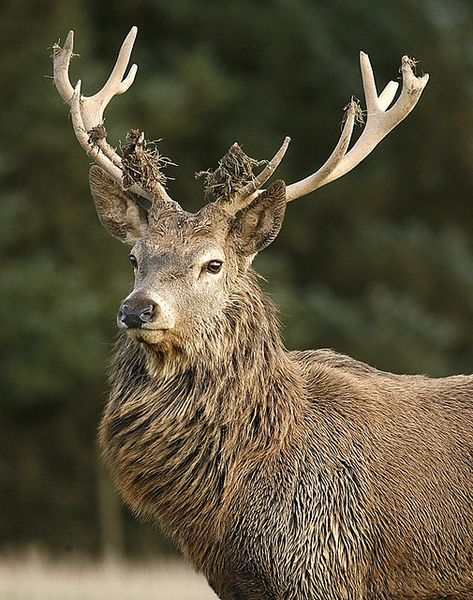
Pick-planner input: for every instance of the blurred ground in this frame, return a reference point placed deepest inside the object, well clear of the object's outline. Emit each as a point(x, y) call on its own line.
point(36, 579)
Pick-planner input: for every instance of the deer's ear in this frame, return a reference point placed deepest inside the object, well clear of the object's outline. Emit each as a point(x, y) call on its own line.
point(116, 209)
point(261, 221)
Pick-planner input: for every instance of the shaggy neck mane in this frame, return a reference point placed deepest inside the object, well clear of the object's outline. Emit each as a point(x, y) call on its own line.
point(184, 425)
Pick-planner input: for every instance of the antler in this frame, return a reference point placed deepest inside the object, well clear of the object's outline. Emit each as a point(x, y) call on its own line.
point(87, 119)
point(380, 122)
point(244, 195)
point(240, 200)
point(87, 113)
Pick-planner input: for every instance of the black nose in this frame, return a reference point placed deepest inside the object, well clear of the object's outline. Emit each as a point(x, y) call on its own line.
point(136, 312)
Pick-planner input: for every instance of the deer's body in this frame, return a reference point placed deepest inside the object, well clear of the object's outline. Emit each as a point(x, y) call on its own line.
point(281, 475)
point(296, 475)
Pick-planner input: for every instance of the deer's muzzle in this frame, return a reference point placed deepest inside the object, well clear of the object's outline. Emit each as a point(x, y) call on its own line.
point(136, 312)
point(139, 311)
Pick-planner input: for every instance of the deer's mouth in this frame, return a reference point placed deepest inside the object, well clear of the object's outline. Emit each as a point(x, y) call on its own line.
point(149, 335)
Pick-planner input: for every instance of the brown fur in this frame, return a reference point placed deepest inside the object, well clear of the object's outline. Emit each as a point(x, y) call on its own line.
point(295, 475)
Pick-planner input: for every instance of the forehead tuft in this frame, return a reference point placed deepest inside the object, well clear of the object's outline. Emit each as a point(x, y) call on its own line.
point(182, 231)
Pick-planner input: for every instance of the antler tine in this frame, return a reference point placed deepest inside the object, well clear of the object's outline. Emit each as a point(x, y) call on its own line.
point(62, 58)
point(83, 137)
point(87, 112)
point(94, 151)
point(387, 95)
point(116, 84)
point(266, 173)
point(95, 105)
point(296, 190)
point(380, 121)
point(245, 195)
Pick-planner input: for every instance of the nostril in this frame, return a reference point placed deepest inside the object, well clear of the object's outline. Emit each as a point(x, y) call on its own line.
point(122, 313)
point(147, 313)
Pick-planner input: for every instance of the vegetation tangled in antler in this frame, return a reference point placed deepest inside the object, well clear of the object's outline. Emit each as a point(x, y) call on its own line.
point(234, 171)
point(142, 163)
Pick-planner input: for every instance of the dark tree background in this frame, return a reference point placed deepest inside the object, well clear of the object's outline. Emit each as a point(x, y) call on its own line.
point(378, 265)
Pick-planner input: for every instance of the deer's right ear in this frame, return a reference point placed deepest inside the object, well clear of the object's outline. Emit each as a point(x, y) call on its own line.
point(117, 211)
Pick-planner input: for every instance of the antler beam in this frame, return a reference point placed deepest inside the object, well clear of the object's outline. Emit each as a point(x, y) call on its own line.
point(380, 121)
point(87, 111)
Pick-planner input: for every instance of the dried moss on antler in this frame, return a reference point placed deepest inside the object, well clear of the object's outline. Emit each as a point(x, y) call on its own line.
point(142, 163)
point(355, 106)
point(234, 171)
point(96, 134)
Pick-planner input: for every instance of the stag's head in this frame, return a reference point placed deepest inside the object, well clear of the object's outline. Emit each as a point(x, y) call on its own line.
point(190, 269)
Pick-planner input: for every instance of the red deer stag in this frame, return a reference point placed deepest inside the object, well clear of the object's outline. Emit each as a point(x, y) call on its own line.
point(280, 475)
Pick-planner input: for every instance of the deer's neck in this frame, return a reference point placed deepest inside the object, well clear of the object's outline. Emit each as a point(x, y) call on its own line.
point(179, 430)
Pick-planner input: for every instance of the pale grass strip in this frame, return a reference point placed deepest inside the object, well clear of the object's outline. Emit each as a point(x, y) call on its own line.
point(37, 579)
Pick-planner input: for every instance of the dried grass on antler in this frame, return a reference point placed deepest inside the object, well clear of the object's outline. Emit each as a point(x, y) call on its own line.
point(234, 171)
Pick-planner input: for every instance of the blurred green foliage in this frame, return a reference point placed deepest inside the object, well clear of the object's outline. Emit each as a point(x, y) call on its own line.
point(378, 265)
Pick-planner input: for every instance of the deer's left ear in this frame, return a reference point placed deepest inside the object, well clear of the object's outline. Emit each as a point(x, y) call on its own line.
point(260, 222)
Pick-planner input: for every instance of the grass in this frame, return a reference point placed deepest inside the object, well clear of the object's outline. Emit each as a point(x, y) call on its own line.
point(37, 579)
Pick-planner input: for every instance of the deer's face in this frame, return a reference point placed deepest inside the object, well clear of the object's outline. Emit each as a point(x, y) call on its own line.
point(184, 273)
point(188, 268)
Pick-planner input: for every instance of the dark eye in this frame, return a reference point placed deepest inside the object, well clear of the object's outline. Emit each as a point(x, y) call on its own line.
point(214, 266)
point(133, 261)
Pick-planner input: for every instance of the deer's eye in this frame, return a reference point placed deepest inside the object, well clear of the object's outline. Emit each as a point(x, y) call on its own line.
point(133, 261)
point(214, 266)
